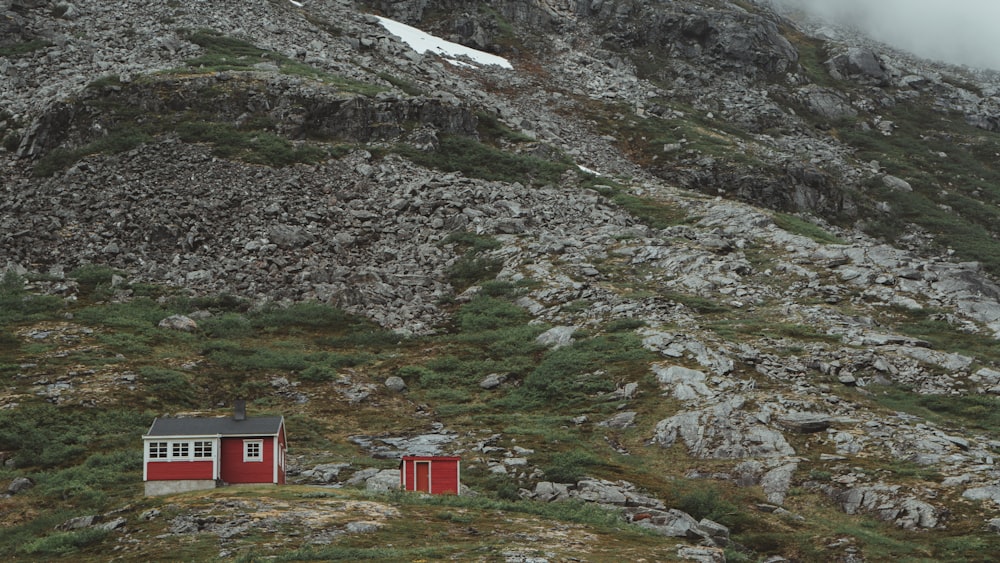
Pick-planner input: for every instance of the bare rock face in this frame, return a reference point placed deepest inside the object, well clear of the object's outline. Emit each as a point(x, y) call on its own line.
point(859, 63)
point(723, 431)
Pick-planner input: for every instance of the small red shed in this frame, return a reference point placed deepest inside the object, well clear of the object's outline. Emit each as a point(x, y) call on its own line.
point(187, 454)
point(437, 475)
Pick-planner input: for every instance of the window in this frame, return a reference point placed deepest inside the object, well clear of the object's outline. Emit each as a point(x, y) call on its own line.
point(157, 450)
point(203, 449)
point(180, 449)
point(253, 450)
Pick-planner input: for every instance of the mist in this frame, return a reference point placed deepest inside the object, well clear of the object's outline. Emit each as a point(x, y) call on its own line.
point(953, 31)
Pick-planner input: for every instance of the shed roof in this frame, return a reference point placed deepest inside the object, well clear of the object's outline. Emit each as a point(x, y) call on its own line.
point(255, 426)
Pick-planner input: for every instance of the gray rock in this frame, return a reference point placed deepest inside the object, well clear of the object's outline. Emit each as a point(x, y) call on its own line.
point(385, 480)
point(179, 322)
point(897, 184)
point(805, 422)
point(827, 102)
point(701, 554)
point(546, 491)
point(79, 522)
point(601, 492)
point(396, 384)
point(859, 62)
point(989, 492)
point(620, 421)
point(362, 527)
point(113, 524)
point(557, 336)
point(688, 384)
point(723, 431)
point(716, 531)
point(19, 485)
point(777, 482)
point(493, 380)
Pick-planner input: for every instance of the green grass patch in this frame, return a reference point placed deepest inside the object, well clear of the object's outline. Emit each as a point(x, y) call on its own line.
point(951, 167)
point(61, 544)
point(570, 374)
point(222, 53)
point(257, 147)
point(477, 160)
point(981, 412)
point(47, 436)
point(120, 139)
point(19, 306)
point(20, 49)
point(799, 226)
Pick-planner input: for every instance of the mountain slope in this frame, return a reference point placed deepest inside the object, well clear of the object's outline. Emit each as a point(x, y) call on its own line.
point(686, 261)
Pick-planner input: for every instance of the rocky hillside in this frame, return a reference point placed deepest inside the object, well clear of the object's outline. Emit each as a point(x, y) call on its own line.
point(693, 280)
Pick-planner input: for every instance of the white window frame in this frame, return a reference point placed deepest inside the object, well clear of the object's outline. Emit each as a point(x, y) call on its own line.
point(248, 455)
point(202, 449)
point(158, 451)
point(180, 450)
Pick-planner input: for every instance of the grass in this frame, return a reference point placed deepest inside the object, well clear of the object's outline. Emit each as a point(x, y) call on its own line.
point(18, 306)
point(85, 460)
point(955, 197)
point(251, 146)
point(222, 53)
point(654, 213)
point(980, 412)
point(126, 128)
point(802, 227)
point(20, 49)
point(478, 160)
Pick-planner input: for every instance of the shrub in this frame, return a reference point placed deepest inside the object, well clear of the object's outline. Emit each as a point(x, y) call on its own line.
point(140, 315)
point(17, 305)
point(471, 269)
point(318, 374)
point(18, 49)
point(302, 315)
point(92, 274)
point(624, 325)
point(472, 241)
point(798, 226)
point(47, 436)
point(234, 357)
point(570, 373)
point(64, 543)
point(488, 313)
point(570, 467)
point(228, 325)
point(167, 386)
point(478, 160)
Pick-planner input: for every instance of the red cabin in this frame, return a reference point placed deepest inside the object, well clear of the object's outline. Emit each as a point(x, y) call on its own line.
point(437, 475)
point(187, 454)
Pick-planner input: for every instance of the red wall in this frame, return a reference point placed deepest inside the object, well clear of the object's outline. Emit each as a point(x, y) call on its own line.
point(444, 475)
point(234, 470)
point(171, 470)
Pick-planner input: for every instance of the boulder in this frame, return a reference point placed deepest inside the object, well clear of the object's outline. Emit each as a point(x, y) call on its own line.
point(620, 421)
point(385, 480)
point(178, 322)
point(859, 63)
point(396, 384)
point(493, 380)
point(557, 336)
point(19, 485)
point(723, 431)
point(805, 422)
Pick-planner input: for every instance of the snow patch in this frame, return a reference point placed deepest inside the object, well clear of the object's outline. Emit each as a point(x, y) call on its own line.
point(423, 42)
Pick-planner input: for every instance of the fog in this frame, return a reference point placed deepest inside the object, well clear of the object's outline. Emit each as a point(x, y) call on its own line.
point(954, 31)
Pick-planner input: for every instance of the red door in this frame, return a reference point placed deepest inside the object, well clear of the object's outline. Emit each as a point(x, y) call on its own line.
point(423, 476)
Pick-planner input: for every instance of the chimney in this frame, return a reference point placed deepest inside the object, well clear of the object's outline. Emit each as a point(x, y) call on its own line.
point(240, 409)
